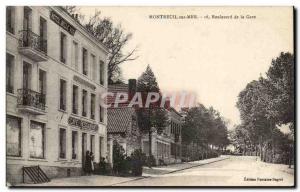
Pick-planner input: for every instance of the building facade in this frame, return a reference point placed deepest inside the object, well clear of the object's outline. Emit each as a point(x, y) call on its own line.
point(166, 147)
point(122, 123)
point(123, 127)
point(55, 72)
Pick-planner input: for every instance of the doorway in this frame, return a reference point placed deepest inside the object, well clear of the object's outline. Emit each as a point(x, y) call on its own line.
point(84, 148)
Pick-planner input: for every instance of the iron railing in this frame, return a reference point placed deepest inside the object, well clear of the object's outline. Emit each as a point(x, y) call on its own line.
point(35, 173)
point(27, 97)
point(32, 40)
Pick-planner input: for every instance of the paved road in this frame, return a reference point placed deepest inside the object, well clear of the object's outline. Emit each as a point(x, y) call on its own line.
point(235, 171)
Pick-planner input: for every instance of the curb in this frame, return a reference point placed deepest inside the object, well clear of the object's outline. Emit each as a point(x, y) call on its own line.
point(195, 166)
point(136, 179)
point(145, 177)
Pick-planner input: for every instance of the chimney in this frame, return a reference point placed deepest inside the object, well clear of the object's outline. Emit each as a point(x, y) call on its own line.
point(168, 103)
point(131, 88)
point(76, 16)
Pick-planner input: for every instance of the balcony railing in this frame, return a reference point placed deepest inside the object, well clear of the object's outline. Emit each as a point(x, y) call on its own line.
point(30, 98)
point(34, 42)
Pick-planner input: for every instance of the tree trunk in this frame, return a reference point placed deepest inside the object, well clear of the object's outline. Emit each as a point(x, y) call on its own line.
point(260, 149)
point(150, 143)
point(272, 141)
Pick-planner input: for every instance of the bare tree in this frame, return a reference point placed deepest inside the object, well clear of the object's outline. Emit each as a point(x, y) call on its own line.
point(74, 11)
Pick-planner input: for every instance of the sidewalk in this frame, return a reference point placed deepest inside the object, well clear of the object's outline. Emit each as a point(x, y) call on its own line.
point(84, 181)
point(280, 167)
point(101, 180)
point(161, 170)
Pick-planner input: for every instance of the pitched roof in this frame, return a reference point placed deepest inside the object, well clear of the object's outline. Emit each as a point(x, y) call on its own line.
point(119, 119)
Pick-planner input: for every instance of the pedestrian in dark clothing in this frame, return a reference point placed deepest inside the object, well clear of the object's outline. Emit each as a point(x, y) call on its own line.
point(92, 161)
point(87, 166)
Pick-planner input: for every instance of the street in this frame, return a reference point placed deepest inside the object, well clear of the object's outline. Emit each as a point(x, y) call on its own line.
point(222, 171)
point(234, 171)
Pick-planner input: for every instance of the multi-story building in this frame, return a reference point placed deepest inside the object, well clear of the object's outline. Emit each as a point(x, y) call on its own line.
point(55, 72)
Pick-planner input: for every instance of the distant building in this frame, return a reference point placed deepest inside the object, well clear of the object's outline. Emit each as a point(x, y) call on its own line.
point(55, 70)
point(183, 112)
point(122, 120)
point(122, 127)
point(166, 147)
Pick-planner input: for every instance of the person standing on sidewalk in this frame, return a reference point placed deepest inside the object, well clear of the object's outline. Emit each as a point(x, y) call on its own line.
point(92, 161)
point(88, 163)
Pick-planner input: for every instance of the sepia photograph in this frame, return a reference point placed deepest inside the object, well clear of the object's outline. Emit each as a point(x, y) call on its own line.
point(150, 96)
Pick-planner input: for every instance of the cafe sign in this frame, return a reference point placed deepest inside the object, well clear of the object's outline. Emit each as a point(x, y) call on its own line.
point(82, 124)
point(62, 22)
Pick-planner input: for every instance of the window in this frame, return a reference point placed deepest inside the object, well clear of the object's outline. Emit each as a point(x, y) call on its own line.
point(62, 95)
point(84, 103)
point(42, 85)
point(83, 146)
point(93, 106)
point(75, 100)
point(75, 55)
point(62, 143)
point(101, 72)
point(13, 136)
point(84, 62)
point(146, 147)
point(26, 75)
point(74, 144)
point(101, 140)
point(27, 19)
point(93, 70)
point(10, 19)
point(92, 142)
point(9, 73)
point(173, 149)
point(43, 34)
point(36, 140)
point(101, 113)
point(63, 47)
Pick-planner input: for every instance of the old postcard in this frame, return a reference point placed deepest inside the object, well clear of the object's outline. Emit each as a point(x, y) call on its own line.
point(150, 96)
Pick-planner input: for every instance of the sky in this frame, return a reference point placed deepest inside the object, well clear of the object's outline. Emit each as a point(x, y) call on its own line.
point(213, 58)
